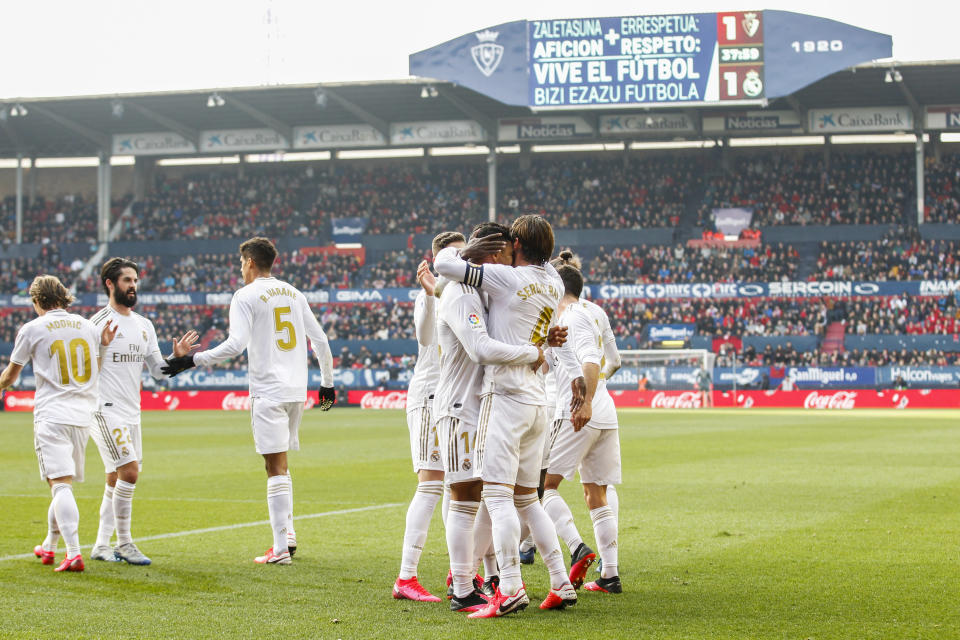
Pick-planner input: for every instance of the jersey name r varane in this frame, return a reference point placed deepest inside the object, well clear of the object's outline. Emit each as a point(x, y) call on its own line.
point(272, 321)
point(134, 345)
point(63, 348)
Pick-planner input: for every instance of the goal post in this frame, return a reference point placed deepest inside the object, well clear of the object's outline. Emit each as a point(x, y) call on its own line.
point(671, 369)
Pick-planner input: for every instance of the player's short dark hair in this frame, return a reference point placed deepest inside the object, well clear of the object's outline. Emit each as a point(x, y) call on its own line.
point(487, 229)
point(567, 257)
point(572, 280)
point(49, 293)
point(111, 270)
point(444, 239)
point(535, 236)
point(261, 251)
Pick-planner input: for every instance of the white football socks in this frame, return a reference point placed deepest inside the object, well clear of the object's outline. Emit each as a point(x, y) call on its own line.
point(279, 507)
point(559, 512)
point(123, 510)
point(613, 500)
point(290, 530)
point(506, 535)
point(605, 529)
point(418, 522)
point(107, 524)
point(445, 503)
point(545, 536)
point(483, 543)
point(459, 526)
point(68, 517)
point(53, 531)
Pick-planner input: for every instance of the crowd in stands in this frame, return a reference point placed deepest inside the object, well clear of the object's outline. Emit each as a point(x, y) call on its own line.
point(678, 263)
point(942, 185)
point(900, 255)
point(852, 188)
point(789, 356)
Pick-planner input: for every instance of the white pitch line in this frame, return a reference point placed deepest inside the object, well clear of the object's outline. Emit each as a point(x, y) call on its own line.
point(228, 527)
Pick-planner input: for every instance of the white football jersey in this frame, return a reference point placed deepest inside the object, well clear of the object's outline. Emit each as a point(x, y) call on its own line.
point(273, 321)
point(609, 340)
point(465, 346)
point(426, 373)
point(63, 347)
point(134, 345)
point(584, 342)
point(523, 303)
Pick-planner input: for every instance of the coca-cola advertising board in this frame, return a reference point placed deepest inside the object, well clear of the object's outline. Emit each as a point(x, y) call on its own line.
point(166, 400)
point(378, 399)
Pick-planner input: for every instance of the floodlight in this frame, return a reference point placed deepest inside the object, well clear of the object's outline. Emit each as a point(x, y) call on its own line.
point(215, 100)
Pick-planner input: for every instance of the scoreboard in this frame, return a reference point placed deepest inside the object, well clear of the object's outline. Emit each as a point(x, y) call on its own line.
point(725, 58)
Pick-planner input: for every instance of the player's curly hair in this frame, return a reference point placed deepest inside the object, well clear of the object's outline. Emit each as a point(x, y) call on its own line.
point(261, 251)
point(487, 229)
point(567, 257)
point(111, 270)
point(444, 239)
point(535, 236)
point(49, 293)
point(572, 280)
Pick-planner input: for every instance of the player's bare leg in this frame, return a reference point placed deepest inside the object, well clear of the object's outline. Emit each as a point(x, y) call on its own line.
point(68, 521)
point(581, 556)
point(419, 513)
point(605, 529)
point(460, 528)
point(279, 507)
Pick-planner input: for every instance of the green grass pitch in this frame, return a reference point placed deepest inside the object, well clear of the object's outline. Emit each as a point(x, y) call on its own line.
point(759, 524)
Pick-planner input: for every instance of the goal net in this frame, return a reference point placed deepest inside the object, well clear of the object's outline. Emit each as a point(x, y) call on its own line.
point(668, 369)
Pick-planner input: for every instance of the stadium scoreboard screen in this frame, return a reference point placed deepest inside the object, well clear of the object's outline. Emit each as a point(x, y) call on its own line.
point(732, 58)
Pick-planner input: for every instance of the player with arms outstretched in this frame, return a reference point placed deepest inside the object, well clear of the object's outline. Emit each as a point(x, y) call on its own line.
point(62, 347)
point(116, 429)
point(424, 444)
point(271, 319)
point(523, 300)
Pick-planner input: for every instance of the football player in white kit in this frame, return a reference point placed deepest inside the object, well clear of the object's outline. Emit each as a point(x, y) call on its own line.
point(465, 347)
point(62, 347)
point(271, 320)
point(424, 444)
point(116, 429)
point(586, 440)
point(510, 434)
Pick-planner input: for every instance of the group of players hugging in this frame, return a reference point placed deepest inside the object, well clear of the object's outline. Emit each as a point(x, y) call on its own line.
point(507, 347)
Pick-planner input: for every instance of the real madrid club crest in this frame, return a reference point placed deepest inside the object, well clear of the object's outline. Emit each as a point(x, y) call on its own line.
point(144, 336)
point(752, 84)
point(751, 24)
point(488, 54)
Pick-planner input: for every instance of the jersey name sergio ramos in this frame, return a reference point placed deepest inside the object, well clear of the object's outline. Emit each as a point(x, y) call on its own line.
point(134, 345)
point(63, 347)
point(584, 342)
point(523, 302)
point(272, 321)
point(465, 346)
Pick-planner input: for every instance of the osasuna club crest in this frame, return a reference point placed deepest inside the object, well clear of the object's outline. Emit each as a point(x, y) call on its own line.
point(488, 54)
point(751, 24)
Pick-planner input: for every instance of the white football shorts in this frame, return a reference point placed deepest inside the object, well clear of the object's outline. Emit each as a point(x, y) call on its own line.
point(276, 425)
point(595, 452)
point(458, 443)
point(552, 430)
point(60, 449)
point(510, 441)
point(424, 443)
point(117, 439)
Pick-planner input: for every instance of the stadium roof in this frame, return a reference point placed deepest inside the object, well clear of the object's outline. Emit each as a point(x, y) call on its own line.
point(84, 126)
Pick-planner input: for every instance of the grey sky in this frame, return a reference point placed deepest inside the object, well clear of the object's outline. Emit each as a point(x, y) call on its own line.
point(58, 47)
